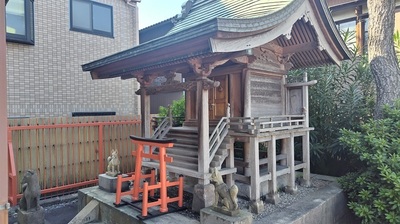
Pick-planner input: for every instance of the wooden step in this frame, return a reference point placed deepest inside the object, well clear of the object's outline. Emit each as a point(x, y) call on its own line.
point(187, 172)
point(184, 130)
point(182, 134)
point(184, 165)
point(193, 123)
point(191, 147)
point(186, 141)
point(182, 151)
point(189, 159)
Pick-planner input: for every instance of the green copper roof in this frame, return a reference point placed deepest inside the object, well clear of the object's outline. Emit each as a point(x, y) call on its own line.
point(205, 25)
point(204, 10)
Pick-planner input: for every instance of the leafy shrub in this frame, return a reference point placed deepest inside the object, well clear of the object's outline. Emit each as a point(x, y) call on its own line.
point(177, 111)
point(342, 98)
point(374, 190)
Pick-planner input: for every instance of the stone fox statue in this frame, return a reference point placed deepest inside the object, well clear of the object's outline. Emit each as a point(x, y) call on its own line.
point(30, 192)
point(113, 163)
point(227, 195)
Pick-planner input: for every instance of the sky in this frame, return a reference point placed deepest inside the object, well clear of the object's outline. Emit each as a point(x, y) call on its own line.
point(154, 11)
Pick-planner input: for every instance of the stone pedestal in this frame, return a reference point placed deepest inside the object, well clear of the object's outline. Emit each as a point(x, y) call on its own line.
point(203, 196)
point(31, 217)
point(208, 215)
point(109, 184)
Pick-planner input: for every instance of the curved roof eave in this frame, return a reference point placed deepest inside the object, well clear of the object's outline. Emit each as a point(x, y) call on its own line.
point(208, 27)
point(330, 39)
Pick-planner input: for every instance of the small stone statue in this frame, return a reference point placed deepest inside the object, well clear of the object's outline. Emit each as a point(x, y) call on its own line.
point(30, 192)
point(113, 164)
point(227, 196)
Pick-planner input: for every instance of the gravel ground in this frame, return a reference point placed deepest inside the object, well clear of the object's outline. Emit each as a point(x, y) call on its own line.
point(58, 212)
point(284, 200)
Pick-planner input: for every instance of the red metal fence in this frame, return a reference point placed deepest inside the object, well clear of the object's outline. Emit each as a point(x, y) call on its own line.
point(67, 153)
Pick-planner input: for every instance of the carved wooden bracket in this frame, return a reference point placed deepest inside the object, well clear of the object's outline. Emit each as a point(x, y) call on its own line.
point(245, 59)
point(204, 69)
point(208, 83)
point(143, 79)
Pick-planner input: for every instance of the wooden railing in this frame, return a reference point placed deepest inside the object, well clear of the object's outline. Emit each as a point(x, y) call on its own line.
point(67, 153)
point(257, 125)
point(217, 136)
point(162, 128)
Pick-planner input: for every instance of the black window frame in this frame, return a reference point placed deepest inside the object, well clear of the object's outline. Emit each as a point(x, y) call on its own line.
point(92, 30)
point(29, 37)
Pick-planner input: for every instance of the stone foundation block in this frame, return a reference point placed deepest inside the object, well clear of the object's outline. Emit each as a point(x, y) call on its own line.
point(208, 215)
point(109, 184)
point(203, 196)
point(257, 206)
point(34, 217)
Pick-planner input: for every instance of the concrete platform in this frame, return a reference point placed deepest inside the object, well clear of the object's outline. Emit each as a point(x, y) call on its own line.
point(125, 214)
point(326, 205)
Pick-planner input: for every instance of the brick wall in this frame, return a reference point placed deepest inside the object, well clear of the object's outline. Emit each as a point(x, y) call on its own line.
point(47, 80)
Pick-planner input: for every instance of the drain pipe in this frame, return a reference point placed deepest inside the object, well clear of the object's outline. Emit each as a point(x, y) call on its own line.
point(133, 4)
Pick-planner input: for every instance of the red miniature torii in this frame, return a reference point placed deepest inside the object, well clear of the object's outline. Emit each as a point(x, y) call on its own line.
point(162, 157)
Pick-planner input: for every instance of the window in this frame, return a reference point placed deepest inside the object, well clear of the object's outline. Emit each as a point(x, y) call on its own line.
point(91, 17)
point(19, 21)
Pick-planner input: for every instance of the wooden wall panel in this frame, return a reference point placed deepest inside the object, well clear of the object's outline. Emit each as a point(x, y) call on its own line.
point(266, 94)
point(296, 101)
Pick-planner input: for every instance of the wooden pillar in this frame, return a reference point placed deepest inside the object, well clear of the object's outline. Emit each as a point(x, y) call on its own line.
point(273, 196)
point(285, 146)
point(230, 163)
point(254, 169)
point(247, 113)
point(188, 109)
point(306, 137)
point(4, 205)
point(247, 95)
point(203, 129)
point(145, 113)
point(360, 30)
point(247, 158)
point(291, 188)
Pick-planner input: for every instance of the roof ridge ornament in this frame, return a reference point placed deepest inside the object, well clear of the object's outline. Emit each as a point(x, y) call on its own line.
point(186, 7)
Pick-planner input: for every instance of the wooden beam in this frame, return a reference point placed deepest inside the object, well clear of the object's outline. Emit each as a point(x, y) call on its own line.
point(292, 49)
point(301, 84)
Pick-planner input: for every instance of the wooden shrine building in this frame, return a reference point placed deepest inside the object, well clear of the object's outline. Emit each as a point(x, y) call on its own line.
point(233, 56)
